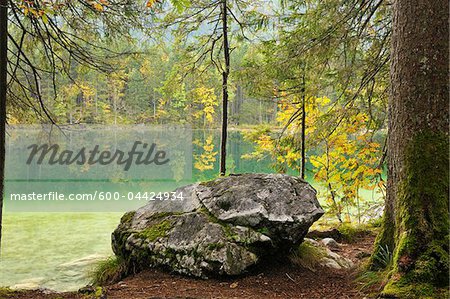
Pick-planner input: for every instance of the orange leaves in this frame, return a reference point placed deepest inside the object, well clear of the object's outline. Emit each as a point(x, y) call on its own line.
point(97, 6)
point(45, 8)
point(34, 10)
point(150, 3)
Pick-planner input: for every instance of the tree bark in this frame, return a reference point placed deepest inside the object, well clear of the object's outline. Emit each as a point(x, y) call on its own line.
point(3, 91)
point(415, 228)
point(225, 74)
point(303, 134)
point(236, 106)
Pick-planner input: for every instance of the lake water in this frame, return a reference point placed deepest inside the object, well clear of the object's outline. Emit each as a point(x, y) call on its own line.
point(57, 250)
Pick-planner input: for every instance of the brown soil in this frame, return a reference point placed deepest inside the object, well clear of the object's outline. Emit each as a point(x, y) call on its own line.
point(277, 280)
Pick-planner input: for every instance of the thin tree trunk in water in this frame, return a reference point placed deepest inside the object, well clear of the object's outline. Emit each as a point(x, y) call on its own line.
point(416, 220)
point(302, 174)
point(225, 74)
point(236, 106)
point(3, 74)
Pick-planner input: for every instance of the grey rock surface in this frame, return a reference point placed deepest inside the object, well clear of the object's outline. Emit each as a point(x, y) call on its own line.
point(222, 227)
point(328, 258)
point(330, 243)
point(282, 206)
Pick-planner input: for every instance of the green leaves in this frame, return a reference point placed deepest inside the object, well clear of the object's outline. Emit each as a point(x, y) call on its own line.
point(181, 5)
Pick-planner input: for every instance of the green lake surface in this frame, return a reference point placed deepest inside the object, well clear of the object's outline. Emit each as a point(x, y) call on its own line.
point(56, 250)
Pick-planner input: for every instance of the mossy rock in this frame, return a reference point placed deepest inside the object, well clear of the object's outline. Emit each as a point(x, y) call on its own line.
point(223, 227)
point(188, 243)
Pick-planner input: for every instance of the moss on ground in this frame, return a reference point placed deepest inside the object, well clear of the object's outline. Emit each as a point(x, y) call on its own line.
point(6, 293)
point(406, 289)
point(351, 233)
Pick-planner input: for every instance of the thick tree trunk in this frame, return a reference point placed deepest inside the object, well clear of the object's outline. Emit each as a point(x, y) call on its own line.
point(416, 222)
point(3, 74)
point(225, 74)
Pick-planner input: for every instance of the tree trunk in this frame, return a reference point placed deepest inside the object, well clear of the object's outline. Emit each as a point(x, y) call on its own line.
point(236, 106)
point(415, 228)
point(303, 137)
point(225, 74)
point(3, 75)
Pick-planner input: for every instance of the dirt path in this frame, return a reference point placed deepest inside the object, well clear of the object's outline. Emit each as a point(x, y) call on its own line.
point(278, 280)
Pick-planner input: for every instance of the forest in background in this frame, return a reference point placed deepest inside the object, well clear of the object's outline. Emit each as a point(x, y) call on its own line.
point(310, 79)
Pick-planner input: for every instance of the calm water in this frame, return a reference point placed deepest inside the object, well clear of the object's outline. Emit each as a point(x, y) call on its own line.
point(57, 250)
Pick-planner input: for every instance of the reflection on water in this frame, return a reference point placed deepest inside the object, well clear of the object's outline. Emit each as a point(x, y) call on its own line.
point(56, 250)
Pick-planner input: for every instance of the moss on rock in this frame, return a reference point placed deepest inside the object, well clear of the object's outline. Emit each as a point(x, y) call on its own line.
point(155, 231)
point(127, 217)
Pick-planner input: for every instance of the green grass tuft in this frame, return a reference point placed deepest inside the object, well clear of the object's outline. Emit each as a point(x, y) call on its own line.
point(108, 271)
point(384, 256)
point(308, 256)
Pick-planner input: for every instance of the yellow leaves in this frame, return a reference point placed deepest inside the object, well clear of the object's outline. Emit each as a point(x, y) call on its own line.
point(205, 161)
point(286, 111)
point(87, 90)
point(342, 148)
point(12, 120)
point(293, 156)
point(209, 111)
point(209, 146)
point(165, 57)
point(265, 142)
point(207, 99)
point(99, 5)
point(146, 68)
point(318, 161)
point(323, 101)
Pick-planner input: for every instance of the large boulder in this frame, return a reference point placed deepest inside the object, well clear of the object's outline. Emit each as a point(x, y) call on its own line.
point(221, 227)
point(282, 206)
